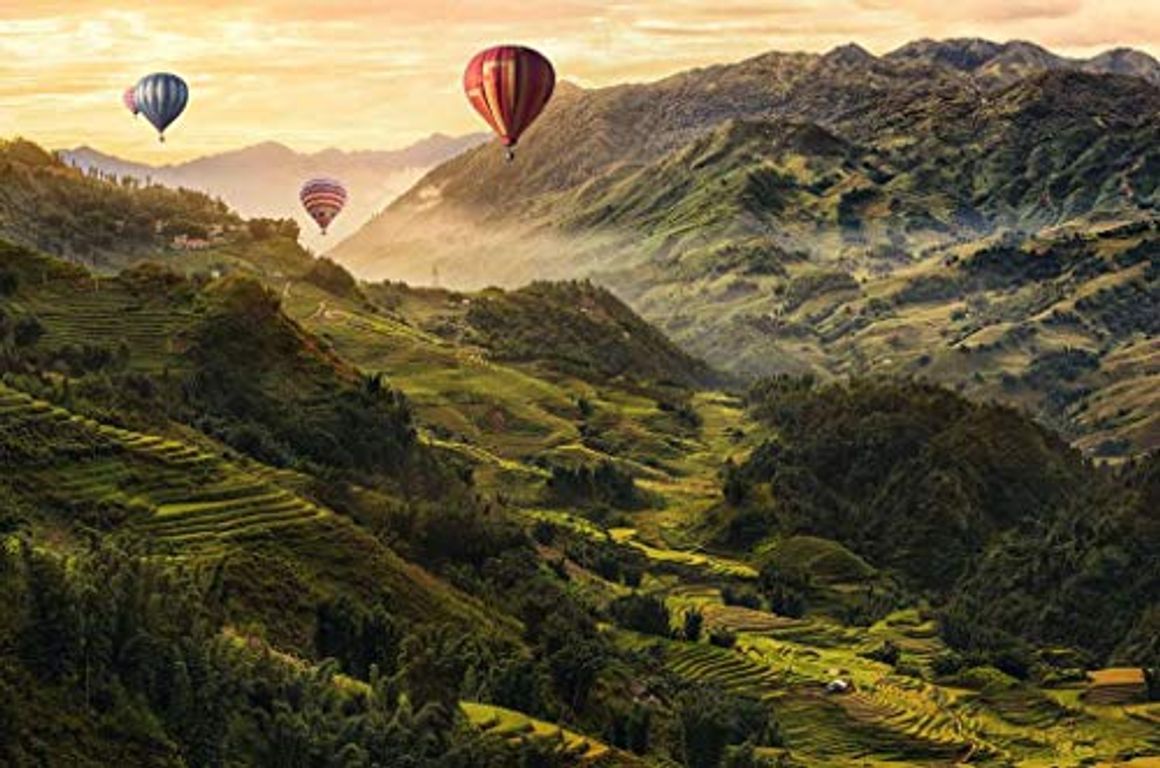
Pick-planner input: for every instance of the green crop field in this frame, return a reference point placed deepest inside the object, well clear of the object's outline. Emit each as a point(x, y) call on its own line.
point(525, 522)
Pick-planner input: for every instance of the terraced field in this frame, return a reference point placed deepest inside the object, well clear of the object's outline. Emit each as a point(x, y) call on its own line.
point(1116, 686)
point(105, 313)
point(175, 492)
point(732, 669)
point(741, 620)
point(515, 726)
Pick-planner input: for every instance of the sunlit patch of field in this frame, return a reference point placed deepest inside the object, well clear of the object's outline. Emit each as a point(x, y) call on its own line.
point(513, 726)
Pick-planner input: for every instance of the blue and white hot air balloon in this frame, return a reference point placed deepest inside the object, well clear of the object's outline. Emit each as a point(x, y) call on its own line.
point(161, 97)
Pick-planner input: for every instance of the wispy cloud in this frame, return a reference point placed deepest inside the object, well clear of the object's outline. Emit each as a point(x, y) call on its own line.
point(376, 74)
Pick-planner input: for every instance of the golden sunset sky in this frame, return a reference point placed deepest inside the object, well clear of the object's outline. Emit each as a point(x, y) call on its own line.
point(378, 75)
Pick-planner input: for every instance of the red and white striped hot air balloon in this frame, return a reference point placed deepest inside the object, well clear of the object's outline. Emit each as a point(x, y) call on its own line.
point(129, 98)
point(323, 199)
point(509, 85)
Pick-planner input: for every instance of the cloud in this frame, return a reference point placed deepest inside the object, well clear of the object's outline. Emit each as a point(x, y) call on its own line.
point(376, 74)
point(979, 10)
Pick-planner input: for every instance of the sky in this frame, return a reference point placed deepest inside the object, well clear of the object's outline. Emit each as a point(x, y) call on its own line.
point(378, 75)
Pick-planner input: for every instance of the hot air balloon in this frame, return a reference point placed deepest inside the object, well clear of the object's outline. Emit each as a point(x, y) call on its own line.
point(161, 97)
point(323, 199)
point(509, 86)
point(129, 97)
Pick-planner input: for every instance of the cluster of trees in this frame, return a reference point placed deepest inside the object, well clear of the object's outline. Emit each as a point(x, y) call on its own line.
point(971, 505)
point(718, 730)
point(269, 229)
point(333, 278)
point(19, 331)
point(605, 484)
point(259, 384)
point(66, 212)
point(582, 330)
point(124, 645)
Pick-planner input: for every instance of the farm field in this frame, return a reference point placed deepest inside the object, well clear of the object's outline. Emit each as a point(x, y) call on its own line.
point(283, 537)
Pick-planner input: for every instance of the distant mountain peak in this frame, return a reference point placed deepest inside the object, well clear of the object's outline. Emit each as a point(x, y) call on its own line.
point(263, 179)
point(849, 55)
point(964, 53)
point(266, 148)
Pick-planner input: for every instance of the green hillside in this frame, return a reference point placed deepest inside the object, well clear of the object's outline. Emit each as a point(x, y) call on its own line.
point(256, 512)
point(841, 214)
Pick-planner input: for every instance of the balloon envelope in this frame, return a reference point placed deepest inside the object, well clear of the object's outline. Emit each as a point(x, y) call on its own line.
point(323, 199)
point(161, 97)
point(129, 97)
point(509, 85)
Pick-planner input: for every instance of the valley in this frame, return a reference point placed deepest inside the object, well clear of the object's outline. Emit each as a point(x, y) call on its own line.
point(798, 413)
point(515, 416)
point(841, 214)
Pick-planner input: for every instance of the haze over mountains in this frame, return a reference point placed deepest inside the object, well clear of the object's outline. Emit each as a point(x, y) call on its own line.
point(255, 511)
point(264, 179)
point(823, 212)
point(922, 97)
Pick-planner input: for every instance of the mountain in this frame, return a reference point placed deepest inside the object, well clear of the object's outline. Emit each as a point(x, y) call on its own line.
point(255, 511)
point(767, 214)
point(263, 180)
point(103, 222)
point(574, 328)
point(1000, 64)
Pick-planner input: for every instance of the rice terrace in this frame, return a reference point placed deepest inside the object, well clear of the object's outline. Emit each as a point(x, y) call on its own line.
point(658, 384)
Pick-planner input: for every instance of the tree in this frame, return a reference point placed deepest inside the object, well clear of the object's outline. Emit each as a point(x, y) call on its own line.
point(27, 331)
point(693, 622)
point(786, 590)
point(711, 720)
point(641, 613)
point(9, 282)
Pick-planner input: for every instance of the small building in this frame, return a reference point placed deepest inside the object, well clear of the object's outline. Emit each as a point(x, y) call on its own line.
point(187, 243)
point(839, 685)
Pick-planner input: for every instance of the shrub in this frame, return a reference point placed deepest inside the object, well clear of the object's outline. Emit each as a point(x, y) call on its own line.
point(946, 663)
point(742, 596)
point(693, 623)
point(888, 653)
point(641, 613)
point(27, 331)
point(9, 282)
point(722, 637)
point(544, 532)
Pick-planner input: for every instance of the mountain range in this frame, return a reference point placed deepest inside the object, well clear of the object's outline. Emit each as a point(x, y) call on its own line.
point(257, 511)
point(826, 213)
point(263, 180)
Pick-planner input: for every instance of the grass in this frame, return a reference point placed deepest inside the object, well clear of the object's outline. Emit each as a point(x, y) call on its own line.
point(105, 312)
point(513, 726)
point(188, 502)
point(283, 550)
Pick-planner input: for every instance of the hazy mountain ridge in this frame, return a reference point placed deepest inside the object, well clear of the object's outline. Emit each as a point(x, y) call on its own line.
point(997, 64)
point(722, 202)
point(264, 179)
point(585, 131)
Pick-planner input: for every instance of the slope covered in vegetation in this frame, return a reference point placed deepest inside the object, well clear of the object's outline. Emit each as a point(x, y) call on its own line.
point(255, 512)
point(799, 213)
point(969, 504)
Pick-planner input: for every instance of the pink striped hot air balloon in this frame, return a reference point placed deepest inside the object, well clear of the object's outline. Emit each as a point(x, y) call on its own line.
point(323, 199)
point(129, 97)
point(509, 86)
